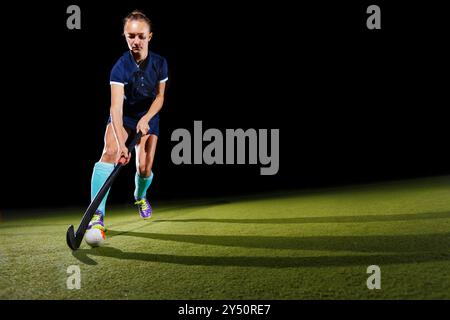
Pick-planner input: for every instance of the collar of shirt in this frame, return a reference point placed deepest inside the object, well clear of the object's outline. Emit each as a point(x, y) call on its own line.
point(143, 64)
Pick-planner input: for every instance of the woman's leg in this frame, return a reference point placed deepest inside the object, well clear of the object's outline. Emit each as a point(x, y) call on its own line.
point(105, 166)
point(145, 154)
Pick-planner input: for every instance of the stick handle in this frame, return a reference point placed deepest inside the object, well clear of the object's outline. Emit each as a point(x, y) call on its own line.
point(133, 142)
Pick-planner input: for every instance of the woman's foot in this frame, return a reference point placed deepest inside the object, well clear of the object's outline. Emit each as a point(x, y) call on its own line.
point(145, 210)
point(97, 221)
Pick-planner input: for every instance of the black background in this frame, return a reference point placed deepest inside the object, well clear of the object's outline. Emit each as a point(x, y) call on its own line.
point(353, 105)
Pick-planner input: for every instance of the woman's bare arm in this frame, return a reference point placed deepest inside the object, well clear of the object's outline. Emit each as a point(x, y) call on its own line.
point(116, 110)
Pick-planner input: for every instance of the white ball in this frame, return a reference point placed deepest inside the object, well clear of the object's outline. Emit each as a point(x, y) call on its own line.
point(94, 237)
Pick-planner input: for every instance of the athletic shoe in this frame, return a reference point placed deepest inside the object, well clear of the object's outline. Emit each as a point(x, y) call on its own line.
point(97, 221)
point(145, 210)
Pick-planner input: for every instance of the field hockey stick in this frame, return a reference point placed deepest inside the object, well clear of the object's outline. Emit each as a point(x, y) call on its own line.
point(74, 238)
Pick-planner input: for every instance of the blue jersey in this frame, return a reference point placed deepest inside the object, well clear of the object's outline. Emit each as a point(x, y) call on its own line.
point(139, 81)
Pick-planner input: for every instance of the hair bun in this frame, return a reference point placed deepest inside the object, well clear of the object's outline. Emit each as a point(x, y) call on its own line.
point(137, 15)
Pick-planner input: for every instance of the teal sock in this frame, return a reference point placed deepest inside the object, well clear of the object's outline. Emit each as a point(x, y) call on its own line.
point(101, 172)
point(142, 185)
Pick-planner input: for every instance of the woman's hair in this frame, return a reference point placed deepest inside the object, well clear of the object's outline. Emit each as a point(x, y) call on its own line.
point(137, 15)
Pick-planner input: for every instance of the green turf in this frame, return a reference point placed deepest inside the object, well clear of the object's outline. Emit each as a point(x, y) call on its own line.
point(296, 245)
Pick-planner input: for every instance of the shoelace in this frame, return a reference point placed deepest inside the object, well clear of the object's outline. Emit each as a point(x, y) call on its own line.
point(143, 204)
point(96, 218)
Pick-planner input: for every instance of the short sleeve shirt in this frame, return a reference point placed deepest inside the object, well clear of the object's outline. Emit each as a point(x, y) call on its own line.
point(140, 81)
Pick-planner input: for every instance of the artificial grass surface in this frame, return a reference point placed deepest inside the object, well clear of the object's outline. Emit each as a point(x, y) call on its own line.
point(296, 245)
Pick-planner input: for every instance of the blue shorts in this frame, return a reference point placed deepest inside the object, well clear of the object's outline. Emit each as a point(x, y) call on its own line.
point(131, 123)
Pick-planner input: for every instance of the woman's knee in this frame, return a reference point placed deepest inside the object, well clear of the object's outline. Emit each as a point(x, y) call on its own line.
point(145, 169)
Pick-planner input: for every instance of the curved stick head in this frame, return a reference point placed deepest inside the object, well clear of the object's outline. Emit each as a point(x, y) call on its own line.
point(70, 238)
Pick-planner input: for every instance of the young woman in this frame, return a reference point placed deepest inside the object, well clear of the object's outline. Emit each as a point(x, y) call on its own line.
point(137, 95)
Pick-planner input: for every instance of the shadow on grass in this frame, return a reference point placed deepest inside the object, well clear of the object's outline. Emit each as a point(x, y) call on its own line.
point(374, 249)
point(267, 262)
point(329, 219)
point(366, 244)
point(181, 209)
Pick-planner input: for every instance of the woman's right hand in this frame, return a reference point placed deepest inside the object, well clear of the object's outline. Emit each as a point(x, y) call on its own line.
point(124, 155)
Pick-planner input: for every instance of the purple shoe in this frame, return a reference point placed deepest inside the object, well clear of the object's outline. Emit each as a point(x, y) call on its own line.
point(97, 221)
point(145, 210)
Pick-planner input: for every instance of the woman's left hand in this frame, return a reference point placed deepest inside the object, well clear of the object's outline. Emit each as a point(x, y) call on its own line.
point(142, 125)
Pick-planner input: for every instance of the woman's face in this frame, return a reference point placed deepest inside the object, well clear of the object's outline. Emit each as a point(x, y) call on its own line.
point(138, 35)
